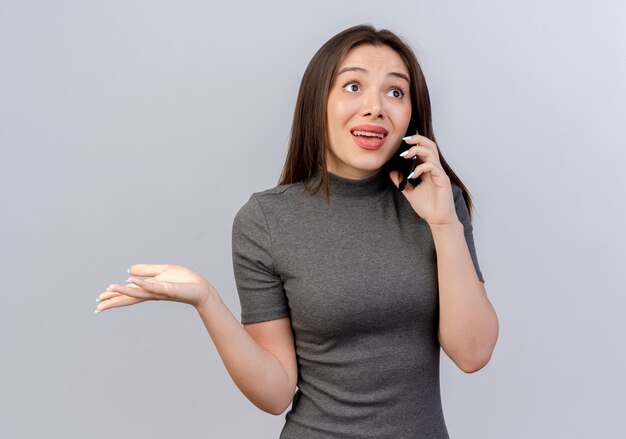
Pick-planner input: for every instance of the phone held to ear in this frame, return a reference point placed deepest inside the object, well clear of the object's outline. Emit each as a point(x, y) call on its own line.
point(404, 166)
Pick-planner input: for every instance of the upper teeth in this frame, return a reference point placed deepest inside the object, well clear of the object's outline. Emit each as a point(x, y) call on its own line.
point(368, 133)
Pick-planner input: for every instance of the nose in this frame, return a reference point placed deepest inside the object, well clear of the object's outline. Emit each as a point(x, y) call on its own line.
point(372, 105)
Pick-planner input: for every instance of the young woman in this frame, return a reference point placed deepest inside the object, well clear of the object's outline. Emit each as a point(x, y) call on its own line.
point(349, 286)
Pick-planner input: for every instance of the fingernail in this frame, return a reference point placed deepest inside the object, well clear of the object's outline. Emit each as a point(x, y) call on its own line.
point(98, 300)
point(402, 154)
point(411, 175)
point(407, 138)
point(128, 281)
point(97, 311)
point(128, 270)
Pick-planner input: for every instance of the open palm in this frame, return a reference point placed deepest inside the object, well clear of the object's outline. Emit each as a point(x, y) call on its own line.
point(156, 282)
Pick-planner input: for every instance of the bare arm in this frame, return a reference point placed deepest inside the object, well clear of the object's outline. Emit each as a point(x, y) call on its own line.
point(468, 325)
point(260, 358)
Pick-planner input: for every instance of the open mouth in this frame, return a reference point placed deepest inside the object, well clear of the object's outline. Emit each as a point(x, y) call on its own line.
point(370, 137)
point(367, 134)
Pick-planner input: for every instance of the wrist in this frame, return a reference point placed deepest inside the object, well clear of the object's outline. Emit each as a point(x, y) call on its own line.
point(445, 228)
point(208, 295)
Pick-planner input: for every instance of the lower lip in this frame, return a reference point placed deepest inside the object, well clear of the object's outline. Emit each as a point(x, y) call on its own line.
point(369, 143)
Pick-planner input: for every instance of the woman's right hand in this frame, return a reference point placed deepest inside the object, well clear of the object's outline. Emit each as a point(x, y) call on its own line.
point(157, 282)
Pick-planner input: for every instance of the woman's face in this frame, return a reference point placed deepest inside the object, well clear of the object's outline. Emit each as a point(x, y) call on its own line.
point(368, 113)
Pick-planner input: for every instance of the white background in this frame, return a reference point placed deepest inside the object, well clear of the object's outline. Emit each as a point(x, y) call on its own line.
point(132, 131)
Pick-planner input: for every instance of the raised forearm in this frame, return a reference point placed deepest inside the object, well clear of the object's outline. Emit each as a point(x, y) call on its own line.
point(468, 325)
point(256, 372)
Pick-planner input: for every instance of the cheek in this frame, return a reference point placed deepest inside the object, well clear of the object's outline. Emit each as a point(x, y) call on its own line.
point(402, 115)
point(342, 111)
point(338, 118)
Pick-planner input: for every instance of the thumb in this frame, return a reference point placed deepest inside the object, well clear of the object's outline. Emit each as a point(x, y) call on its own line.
point(150, 285)
point(147, 269)
point(396, 177)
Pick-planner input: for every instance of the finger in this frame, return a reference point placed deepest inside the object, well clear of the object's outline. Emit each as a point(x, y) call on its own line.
point(117, 302)
point(396, 177)
point(106, 295)
point(132, 291)
point(147, 269)
point(424, 153)
point(158, 288)
point(427, 167)
point(421, 141)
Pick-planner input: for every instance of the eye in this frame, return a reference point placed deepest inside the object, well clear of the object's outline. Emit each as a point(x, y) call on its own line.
point(352, 87)
point(396, 93)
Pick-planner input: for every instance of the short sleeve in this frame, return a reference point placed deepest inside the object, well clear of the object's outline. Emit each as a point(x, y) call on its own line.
point(260, 288)
point(463, 214)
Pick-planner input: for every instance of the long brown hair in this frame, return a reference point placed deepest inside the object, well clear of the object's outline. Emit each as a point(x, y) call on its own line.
point(307, 148)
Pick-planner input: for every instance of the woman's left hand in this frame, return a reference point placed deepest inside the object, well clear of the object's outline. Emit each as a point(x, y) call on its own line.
point(432, 198)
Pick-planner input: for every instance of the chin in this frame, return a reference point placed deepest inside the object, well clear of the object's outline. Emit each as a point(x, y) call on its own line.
point(373, 163)
point(369, 167)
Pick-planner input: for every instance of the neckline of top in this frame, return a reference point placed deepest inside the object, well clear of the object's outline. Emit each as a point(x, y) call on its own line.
point(368, 188)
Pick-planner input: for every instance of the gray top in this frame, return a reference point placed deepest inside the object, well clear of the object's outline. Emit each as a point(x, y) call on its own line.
point(358, 278)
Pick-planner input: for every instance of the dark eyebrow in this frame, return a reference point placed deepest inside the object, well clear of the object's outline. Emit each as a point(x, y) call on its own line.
point(362, 70)
point(400, 75)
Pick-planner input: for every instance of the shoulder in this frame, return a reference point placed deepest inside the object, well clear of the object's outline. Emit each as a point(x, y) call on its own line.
point(457, 192)
point(276, 198)
point(278, 193)
point(459, 199)
point(461, 207)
